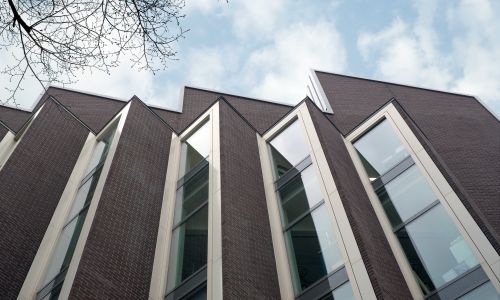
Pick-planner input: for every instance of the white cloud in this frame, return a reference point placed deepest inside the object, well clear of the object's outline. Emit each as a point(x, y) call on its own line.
point(412, 52)
point(257, 18)
point(279, 70)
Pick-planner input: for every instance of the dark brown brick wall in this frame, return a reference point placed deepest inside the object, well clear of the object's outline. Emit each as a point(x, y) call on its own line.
point(3, 132)
point(248, 265)
point(94, 111)
point(117, 260)
point(13, 118)
point(32, 182)
point(260, 114)
point(490, 208)
point(383, 270)
point(463, 135)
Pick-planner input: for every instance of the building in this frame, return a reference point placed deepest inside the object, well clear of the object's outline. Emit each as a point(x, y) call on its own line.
point(365, 190)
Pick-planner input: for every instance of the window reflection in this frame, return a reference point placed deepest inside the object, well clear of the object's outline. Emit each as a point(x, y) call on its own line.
point(484, 292)
point(191, 195)
point(299, 195)
point(443, 251)
point(189, 245)
point(288, 149)
point(406, 195)
point(380, 150)
point(195, 148)
point(313, 250)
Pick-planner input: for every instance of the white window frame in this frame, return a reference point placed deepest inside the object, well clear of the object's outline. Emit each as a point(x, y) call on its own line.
point(38, 268)
point(355, 267)
point(214, 260)
point(475, 238)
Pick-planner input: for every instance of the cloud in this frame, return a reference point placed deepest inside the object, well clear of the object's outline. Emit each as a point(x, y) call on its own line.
point(257, 18)
point(412, 53)
point(279, 70)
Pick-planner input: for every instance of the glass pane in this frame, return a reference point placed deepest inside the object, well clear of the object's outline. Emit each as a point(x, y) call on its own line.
point(312, 249)
point(484, 292)
point(191, 195)
point(288, 149)
point(199, 295)
point(343, 292)
point(188, 251)
point(195, 148)
point(442, 249)
point(84, 195)
point(380, 149)
point(101, 149)
point(63, 252)
point(299, 195)
point(406, 195)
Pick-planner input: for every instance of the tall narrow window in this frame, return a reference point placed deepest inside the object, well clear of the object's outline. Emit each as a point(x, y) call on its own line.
point(187, 270)
point(65, 247)
point(314, 257)
point(442, 262)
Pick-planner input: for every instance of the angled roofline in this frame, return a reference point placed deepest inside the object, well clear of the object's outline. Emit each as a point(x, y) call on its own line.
point(482, 103)
point(221, 93)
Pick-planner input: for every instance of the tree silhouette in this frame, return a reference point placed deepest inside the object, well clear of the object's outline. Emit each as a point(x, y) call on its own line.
point(53, 40)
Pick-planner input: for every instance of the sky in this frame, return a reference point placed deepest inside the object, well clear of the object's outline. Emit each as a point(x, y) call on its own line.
point(265, 49)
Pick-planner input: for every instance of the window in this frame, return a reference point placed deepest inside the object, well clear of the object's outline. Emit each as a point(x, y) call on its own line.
point(187, 269)
point(440, 258)
point(316, 265)
point(65, 247)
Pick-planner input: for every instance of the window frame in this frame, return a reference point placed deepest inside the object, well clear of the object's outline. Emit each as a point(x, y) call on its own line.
point(174, 180)
point(351, 257)
point(459, 216)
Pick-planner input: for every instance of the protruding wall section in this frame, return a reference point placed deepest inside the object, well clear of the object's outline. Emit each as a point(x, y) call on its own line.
point(248, 266)
point(383, 270)
point(32, 181)
point(117, 260)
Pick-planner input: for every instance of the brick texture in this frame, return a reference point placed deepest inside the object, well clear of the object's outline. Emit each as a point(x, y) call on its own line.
point(462, 136)
point(3, 132)
point(117, 260)
point(94, 111)
point(32, 182)
point(383, 270)
point(13, 118)
point(260, 114)
point(248, 265)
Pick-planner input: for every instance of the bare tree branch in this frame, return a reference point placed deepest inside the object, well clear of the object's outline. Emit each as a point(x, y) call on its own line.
point(53, 41)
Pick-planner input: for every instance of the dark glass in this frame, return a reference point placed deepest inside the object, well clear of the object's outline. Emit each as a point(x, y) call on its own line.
point(201, 294)
point(299, 195)
point(312, 249)
point(406, 195)
point(380, 150)
point(288, 149)
point(343, 292)
point(191, 195)
point(188, 251)
point(486, 291)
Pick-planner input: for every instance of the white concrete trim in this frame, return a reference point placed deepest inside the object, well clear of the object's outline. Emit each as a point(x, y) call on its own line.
point(42, 258)
point(214, 255)
point(280, 252)
point(77, 255)
point(10, 141)
point(477, 241)
point(356, 269)
point(351, 256)
point(319, 93)
point(158, 286)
